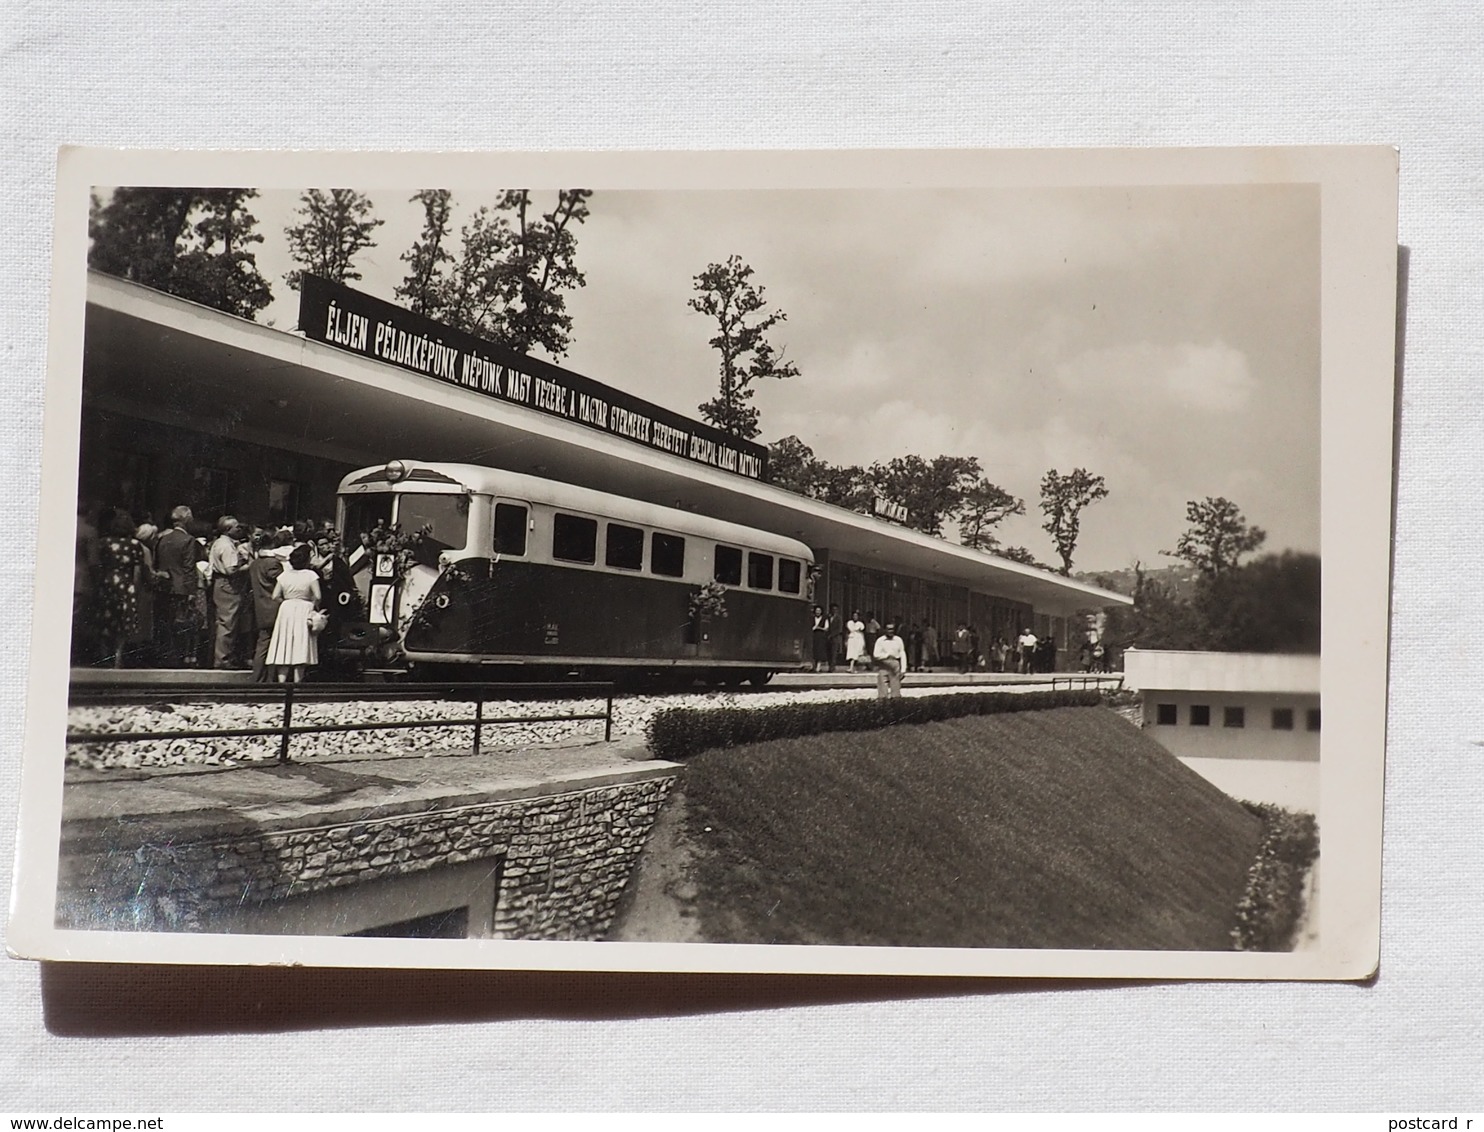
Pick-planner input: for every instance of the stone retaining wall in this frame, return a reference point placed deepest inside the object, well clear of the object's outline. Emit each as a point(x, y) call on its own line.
point(554, 866)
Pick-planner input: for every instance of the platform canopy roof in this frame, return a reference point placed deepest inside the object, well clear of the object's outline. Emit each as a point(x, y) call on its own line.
point(155, 357)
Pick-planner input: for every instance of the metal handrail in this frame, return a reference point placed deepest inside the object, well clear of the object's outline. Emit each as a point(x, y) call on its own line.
point(1096, 679)
point(479, 694)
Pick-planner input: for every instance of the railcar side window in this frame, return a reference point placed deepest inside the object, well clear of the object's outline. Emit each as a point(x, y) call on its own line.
point(510, 529)
point(759, 571)
point(667, 555)
point(790, 576)
point(728, 566)
point(574, 539)
point(625, 549)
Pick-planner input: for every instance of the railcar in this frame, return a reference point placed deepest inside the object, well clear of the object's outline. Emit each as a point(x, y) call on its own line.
point(462, 568)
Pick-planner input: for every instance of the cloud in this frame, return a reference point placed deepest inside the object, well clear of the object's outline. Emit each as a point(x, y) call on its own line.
point(1212, 378)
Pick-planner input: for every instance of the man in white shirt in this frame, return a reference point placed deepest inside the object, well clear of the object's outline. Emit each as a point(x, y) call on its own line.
point(890, 655)
point(1027, 648)
point(230, 556)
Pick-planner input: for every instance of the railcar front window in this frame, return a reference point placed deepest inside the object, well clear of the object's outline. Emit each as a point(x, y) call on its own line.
point(443, 521)
point(728, 566)
point(361, 514)
point(625, 550)
point(759, 571)
point(574, 539)
point(510, 529)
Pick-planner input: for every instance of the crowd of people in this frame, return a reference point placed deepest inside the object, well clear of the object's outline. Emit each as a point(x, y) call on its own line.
point(849, 642)
point(228, 596)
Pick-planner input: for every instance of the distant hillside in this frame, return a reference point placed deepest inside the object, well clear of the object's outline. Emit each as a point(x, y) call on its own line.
point(1180, 578)
point(1065, 828)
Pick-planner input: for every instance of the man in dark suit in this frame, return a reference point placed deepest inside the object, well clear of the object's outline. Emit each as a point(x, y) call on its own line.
point(177, 555)
point(262, 575)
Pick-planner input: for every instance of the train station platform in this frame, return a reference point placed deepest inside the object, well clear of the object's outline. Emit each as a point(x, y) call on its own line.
point(207, 678)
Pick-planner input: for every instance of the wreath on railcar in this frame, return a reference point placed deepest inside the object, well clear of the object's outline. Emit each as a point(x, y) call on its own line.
point(709, 602)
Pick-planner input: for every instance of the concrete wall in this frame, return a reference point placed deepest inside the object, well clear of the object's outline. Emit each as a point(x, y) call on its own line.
point(550, 866)
point(1256, 740)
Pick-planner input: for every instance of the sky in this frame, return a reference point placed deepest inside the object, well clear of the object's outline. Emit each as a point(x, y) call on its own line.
point(1165, 338)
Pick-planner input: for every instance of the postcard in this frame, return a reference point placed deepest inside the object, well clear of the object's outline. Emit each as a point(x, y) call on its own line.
point(927, 562)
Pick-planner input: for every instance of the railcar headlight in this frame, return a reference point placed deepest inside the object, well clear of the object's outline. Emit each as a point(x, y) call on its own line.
point(395, 471)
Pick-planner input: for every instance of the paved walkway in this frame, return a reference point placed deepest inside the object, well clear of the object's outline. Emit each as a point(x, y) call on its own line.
point(263, 795)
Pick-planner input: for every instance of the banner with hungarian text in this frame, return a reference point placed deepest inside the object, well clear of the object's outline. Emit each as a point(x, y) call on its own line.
point(350, 320)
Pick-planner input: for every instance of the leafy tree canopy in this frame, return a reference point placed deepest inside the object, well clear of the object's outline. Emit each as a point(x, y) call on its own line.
point(1218, 536)
point(931, 490)
point(193, 243)
point(725, 292)
point(513, 267)
point(985, 506)
point(1063, 498)
point(331, 229)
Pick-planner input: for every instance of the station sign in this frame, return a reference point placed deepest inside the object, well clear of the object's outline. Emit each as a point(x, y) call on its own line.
point(889, 509)
point(340, 316)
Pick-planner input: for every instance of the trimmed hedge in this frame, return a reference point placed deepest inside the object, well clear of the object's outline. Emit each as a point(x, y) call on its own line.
point(676, 733)
point(1271, 907)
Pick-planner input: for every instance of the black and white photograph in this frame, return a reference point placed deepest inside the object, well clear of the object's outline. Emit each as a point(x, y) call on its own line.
point(951, 563)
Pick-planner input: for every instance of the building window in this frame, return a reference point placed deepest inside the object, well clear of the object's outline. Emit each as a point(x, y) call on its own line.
point(667, 555)
point(510, 529)
point(1165, 715)
point(574, 539)
point(728, 566)
point(216, 492)
point(1234, 717)
point(790, 574)
point(1311, 719)
point(283, 503)
point(625, 550)
point(1283, 719)
point(134, 484)
point(759, 571)
point(1200, 715)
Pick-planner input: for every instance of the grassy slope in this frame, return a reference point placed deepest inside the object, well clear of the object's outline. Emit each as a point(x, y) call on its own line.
point(1064, 828)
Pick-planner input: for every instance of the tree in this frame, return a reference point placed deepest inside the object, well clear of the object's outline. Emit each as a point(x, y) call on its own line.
point(137, 234)
point(540, 268)
point(216, 268)
point(931, 490)
point(514, 265)
point(726, 294)
point(1218, 536)
point(428, 256)
point(1158, 619)
point(1062, 501)
point(333, 228)
point(984, 506)
point(193, 243)
point(1022, 555)
point(1271, 604)
point(793, 466)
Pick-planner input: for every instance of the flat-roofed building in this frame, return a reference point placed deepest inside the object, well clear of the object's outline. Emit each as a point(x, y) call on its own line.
point(1246, 722)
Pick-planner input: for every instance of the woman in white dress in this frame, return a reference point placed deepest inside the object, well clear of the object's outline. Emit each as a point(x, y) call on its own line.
point(855, 640)
point(293, 645)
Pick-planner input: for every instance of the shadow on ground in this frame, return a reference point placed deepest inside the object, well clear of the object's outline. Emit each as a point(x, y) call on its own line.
point(101, 1000)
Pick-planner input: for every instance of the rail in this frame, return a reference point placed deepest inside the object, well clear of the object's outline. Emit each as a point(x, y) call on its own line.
point(289, 694)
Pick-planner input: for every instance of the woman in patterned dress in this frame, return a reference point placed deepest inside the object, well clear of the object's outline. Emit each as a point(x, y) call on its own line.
point(120, 575)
